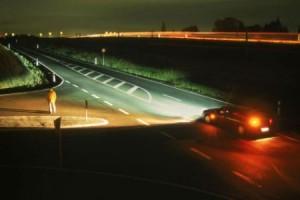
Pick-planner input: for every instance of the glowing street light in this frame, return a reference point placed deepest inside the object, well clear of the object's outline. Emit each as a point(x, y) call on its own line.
point(103, 50)
point(50, 34)
point(5, 34)
point(41, 34)
point(13, 34)
point(61, 33)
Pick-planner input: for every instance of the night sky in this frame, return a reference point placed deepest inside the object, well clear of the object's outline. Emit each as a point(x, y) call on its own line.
point(86, 16)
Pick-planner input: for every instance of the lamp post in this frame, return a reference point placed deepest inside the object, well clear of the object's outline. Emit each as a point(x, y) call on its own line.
point(103, 50)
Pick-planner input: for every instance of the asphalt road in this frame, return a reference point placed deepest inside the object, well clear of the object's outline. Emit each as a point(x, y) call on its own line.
point(184, 161)
point(129, 93)
point(178, 160)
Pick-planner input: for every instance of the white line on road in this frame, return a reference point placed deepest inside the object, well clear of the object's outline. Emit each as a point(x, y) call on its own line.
point(143, 122)
point(108, 80)
point(131, 90)
point(119, 84)
point(108, 103)
point(176, 99)
point(89, 73)
point(80, 71)
point(246, 178)
point(289, 138)
point(100, 75)
point(168, 135)
point(123, 111)
point(204, 155)
point(67, 81)
point(84, 90)
point(95, 96)
point(75, 85)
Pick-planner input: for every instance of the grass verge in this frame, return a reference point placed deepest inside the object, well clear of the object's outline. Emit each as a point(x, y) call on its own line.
point(19, 72)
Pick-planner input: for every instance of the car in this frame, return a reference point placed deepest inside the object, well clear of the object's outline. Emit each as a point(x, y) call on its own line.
point(244, 121)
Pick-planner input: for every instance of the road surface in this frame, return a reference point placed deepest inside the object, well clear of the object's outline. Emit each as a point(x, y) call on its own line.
point(131, 157)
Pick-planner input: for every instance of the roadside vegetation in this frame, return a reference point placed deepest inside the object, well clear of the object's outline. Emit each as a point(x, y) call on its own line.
point(173, 77)
point(17, 71)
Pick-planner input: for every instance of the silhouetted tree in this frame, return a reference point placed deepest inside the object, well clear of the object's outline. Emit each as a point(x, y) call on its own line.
point(163, 26)
point(254, 28)
point(275, 26)
point(190, 29)
point(228, 24)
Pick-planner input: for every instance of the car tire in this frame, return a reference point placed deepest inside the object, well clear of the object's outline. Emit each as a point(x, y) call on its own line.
point(241, 130)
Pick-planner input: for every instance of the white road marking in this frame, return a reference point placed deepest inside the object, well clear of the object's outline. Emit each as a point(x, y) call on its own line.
point(84, 90)
point(143, 122)
point(80, 71)
point(67, 81)
point(246, 178)
point(168, 135)
point(95, 96)
point(100, 75)
point(170, 97)
point(119, 84)
point(123, 111)
point(75, 85)
point(204, 155)
point(108, 103)
point(108, 80)
point(89, 73)
point(290, 138)
point(74, 67)
point(131, 90)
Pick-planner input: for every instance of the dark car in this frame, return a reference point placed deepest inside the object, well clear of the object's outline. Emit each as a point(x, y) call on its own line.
point(243, 121)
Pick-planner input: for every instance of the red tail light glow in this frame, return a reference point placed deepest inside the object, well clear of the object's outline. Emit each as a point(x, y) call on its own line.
point(212, 116)
point(255, 122)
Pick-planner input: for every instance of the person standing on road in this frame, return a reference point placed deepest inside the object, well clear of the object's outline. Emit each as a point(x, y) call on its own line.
point(51, 101)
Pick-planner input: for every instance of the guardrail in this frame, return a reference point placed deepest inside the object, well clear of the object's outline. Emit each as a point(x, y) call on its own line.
point(289, 38)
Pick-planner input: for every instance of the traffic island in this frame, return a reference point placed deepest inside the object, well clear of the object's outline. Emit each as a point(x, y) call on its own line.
point(48, 122)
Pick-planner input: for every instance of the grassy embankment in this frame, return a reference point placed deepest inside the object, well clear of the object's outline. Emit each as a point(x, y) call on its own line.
point(17, 71)
point(173, 77)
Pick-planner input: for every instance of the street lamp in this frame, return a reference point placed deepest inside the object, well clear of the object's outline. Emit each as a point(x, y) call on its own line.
point(41, 34)
point(50, 34)
point(61, 33)
point(103, 50)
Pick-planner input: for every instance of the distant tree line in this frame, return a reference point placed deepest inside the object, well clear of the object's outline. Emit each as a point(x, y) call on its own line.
point(230, 24)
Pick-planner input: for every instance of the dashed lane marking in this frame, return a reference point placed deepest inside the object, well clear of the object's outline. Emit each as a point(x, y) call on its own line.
point(202, 154)
point(84, 90)
point(95, 96)
point(108, 103)
point(168, 135)
point(173, 98)
point(143, 122)
point(246, 178)
point(123, 111)
point(75, 85)
point(67, 81)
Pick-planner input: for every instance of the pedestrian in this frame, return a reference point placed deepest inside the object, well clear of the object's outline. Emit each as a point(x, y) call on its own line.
point(51, 101)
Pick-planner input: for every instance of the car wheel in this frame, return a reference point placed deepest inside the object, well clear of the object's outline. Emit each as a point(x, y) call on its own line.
point(207, 119)
point(241, 130)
